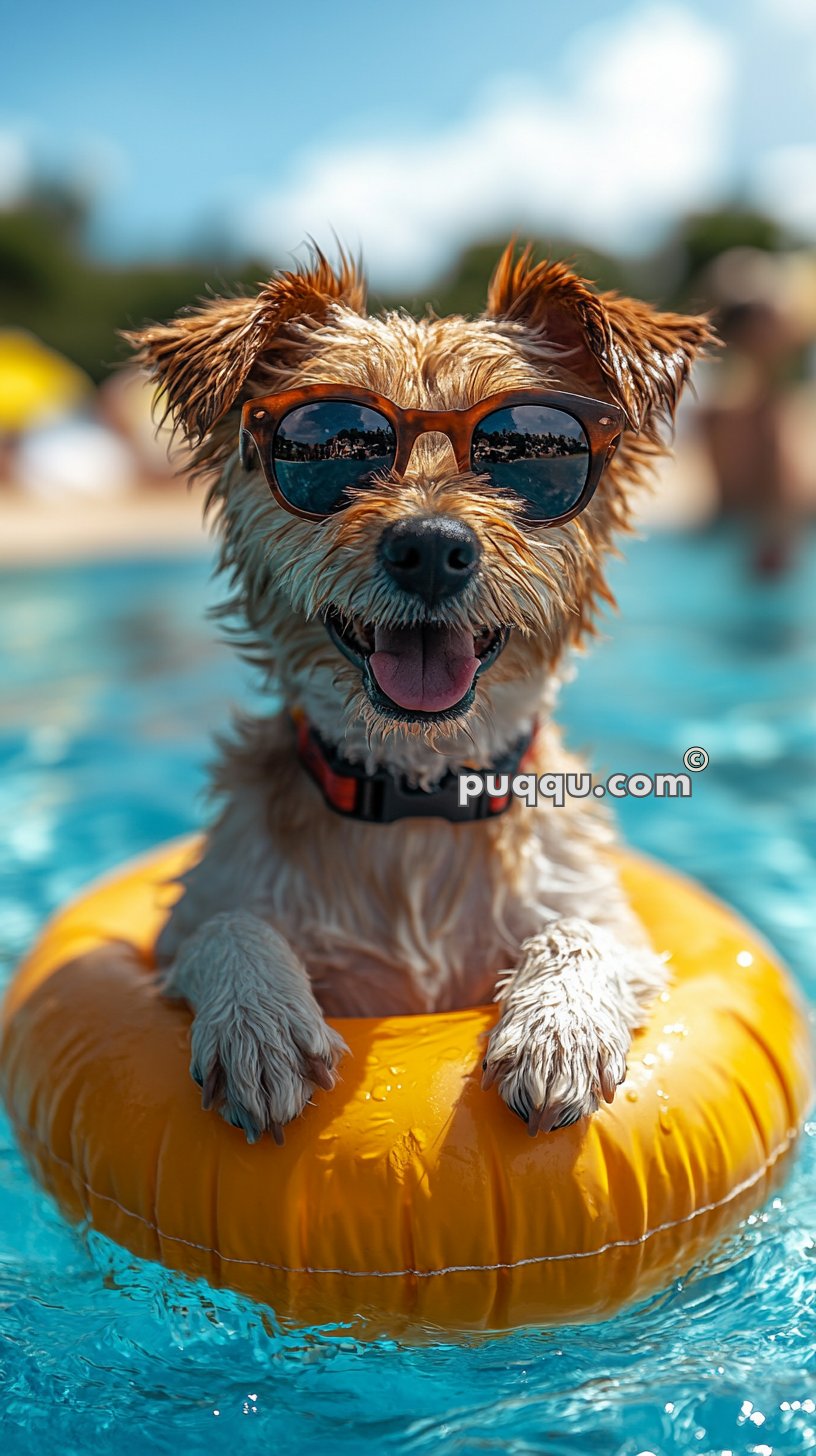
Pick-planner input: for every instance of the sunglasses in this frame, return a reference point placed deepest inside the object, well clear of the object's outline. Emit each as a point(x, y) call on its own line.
point(320, 444)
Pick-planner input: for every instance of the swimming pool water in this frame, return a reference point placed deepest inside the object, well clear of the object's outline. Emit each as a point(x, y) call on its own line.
point(112, 682)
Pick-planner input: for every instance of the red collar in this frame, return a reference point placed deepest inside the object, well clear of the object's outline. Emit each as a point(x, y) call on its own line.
point(382, 797)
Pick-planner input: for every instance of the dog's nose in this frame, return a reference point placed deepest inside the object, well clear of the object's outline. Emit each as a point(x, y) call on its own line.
point(433, 556)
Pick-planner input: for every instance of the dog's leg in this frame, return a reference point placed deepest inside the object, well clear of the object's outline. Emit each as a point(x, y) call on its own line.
point(259, 1043)
point(568, 1013)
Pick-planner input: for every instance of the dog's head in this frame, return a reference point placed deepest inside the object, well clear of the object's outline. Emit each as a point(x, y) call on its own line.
point(426, 612)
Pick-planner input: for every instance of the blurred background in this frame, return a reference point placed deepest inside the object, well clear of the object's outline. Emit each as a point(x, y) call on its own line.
point(147, 159)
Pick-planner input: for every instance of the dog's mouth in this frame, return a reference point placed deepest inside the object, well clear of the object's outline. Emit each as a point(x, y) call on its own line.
point(427, 671)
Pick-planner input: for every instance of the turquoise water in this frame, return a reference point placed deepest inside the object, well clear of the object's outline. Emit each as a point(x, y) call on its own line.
point(112, 683)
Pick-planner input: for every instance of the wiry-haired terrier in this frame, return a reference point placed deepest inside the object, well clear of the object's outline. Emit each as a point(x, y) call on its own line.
point(415, 518)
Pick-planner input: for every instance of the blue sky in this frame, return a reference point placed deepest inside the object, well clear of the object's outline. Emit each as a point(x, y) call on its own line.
point(409, 127)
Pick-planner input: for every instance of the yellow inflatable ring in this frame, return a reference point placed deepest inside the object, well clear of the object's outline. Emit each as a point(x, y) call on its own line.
point(408, 1195)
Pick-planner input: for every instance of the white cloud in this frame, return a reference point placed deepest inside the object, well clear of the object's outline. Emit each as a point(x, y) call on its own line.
point(97, 166)
point(90, 163)
point(797, 14)
point(14, 167)
point(793, 23)
point(633, 135)
point(784, 182)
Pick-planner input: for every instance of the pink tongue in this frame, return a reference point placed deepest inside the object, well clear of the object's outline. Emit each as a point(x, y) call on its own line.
point(424, 668)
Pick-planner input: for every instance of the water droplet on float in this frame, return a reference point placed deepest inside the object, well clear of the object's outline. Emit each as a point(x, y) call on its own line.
point(631, 1095)
point(379, 1093)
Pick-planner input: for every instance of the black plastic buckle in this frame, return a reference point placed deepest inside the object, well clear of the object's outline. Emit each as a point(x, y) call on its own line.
point(383, 797)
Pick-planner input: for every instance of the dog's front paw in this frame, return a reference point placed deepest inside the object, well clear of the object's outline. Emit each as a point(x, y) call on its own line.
point(552, 1075)
point(560, 1045)
point(259, 1066)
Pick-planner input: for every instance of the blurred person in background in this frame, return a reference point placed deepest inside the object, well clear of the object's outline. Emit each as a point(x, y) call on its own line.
point(765, 312)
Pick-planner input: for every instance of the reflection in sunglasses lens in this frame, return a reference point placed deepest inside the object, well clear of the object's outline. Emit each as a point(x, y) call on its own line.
point(539, 453)
point(323, 450)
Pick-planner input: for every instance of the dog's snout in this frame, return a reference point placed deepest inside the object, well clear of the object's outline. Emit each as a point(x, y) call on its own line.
point(433, 556)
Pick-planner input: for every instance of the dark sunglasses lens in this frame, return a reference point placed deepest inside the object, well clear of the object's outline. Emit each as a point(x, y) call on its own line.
point(538, 453)
point(323, 450)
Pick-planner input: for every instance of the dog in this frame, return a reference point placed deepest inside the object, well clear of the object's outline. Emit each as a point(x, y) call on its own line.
point(414, 517)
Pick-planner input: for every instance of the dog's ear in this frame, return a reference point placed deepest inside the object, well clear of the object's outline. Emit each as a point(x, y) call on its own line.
point(620, 346)
point(202, 358)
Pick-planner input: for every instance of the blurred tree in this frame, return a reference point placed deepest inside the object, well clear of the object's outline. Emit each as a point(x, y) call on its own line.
point(700, 238)
point(464, 288)
point(50, 285)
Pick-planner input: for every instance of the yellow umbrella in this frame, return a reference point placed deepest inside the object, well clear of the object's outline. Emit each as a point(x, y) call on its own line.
point(36, 383)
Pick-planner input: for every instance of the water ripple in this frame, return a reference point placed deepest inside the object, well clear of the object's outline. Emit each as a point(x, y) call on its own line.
point(113, 685)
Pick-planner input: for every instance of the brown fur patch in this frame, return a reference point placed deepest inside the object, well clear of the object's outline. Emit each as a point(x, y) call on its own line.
point(620, 347)
point(202, 359)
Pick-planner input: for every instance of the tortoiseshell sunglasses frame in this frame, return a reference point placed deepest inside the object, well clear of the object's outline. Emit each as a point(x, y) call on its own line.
point(602, 423)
